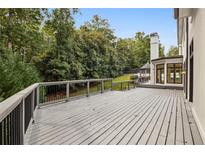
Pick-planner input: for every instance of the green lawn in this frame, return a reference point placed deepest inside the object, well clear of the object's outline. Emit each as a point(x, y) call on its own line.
point(122, 86)
point(122, 78)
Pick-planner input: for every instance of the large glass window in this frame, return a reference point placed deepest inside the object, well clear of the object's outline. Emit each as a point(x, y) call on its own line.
point(160, 73)
point(174, 73)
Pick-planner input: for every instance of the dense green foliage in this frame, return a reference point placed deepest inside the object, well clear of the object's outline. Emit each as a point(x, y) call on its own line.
point(173, 51)
point(15, 75)
point(44, 44)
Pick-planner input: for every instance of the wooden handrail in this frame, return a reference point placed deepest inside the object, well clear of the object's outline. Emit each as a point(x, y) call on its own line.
point(10, 103)
point(123, 81)
point(73, 81)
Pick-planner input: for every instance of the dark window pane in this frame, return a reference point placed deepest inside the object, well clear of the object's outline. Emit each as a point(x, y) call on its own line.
point(160, 73)
point(174, 73)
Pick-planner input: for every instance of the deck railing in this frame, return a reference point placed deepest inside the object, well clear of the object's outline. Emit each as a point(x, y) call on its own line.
point(143, 79)
point(18, 111)
point(124, 85)
point(52, 92)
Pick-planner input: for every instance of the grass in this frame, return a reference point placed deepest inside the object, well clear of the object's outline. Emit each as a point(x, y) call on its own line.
point(121, 86)
point(122, 78)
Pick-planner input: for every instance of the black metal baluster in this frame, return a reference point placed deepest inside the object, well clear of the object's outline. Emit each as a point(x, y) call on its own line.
point(16, 124)
point(5, 132)
point(55, 95)
point(59, 91)
point(11, 130)
point(1, 133)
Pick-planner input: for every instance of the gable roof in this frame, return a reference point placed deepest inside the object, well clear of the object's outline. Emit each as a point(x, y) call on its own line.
point(145, 66)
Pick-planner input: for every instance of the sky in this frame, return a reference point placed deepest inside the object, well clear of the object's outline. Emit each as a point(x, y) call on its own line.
point(126, 22)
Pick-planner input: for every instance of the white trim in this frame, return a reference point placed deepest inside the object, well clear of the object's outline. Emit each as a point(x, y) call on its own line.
point(201, 131)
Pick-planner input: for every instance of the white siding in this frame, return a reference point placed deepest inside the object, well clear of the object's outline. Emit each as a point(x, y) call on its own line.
point(197, 32)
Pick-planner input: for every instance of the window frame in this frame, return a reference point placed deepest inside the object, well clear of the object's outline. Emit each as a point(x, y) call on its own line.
point(174, 67)
point(160, 81)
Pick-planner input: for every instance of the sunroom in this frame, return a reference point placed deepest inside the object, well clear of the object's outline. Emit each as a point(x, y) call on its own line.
point(168, 70)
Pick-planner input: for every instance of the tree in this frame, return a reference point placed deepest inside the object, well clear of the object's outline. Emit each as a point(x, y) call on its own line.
point(45, 43)
point(20, 31)
point(123, 47)
point(98, 47)
point(62, 61)
point(140, 50)
point(173, 51)
point(161, 50)
point(134, 52)
point(20, 42)
point(15, 75)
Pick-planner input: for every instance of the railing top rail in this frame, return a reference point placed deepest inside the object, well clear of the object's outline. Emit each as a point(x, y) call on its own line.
point(123, 81)
point(72, 81)
point(8, 105)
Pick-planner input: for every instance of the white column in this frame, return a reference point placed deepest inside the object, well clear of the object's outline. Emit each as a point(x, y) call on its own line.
point(152, 73)
point(165, 73)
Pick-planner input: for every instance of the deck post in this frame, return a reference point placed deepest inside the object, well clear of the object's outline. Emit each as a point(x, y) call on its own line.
point(88, 88)
point(37, 95)
point(128, 85)
point(102, 86)
point(32, 103)
point(22, 118)
point(67, 91)
point(111, 85)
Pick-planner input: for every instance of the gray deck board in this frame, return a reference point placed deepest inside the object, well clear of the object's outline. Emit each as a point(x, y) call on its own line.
point(153, 131)
point(137, 116)
point(111, 133)
point(171, 136)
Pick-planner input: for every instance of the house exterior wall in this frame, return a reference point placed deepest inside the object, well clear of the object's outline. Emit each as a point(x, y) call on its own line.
point(196, 24)
point(197, 32)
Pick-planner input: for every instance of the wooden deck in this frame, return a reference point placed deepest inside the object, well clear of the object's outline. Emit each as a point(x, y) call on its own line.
point(138, 116)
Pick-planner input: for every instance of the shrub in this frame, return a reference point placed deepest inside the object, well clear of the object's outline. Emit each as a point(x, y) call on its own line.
point(15, 75)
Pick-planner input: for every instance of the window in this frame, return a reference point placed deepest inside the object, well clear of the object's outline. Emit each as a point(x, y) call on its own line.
point(160, 73)
point(174, 73)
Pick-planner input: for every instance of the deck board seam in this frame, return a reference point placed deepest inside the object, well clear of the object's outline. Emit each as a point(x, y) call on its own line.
point(163, 121)
point(110, 114)
point(93, 114)
point(144, 106)
point(164, 103)
point(169, 120)
point(118, 121)
point(102, 114)
point(168, 99)
point(156, 107)
point(134, 124)
point(126, 119)
point(150, 108)
point(139, 120)
point(124, 113)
